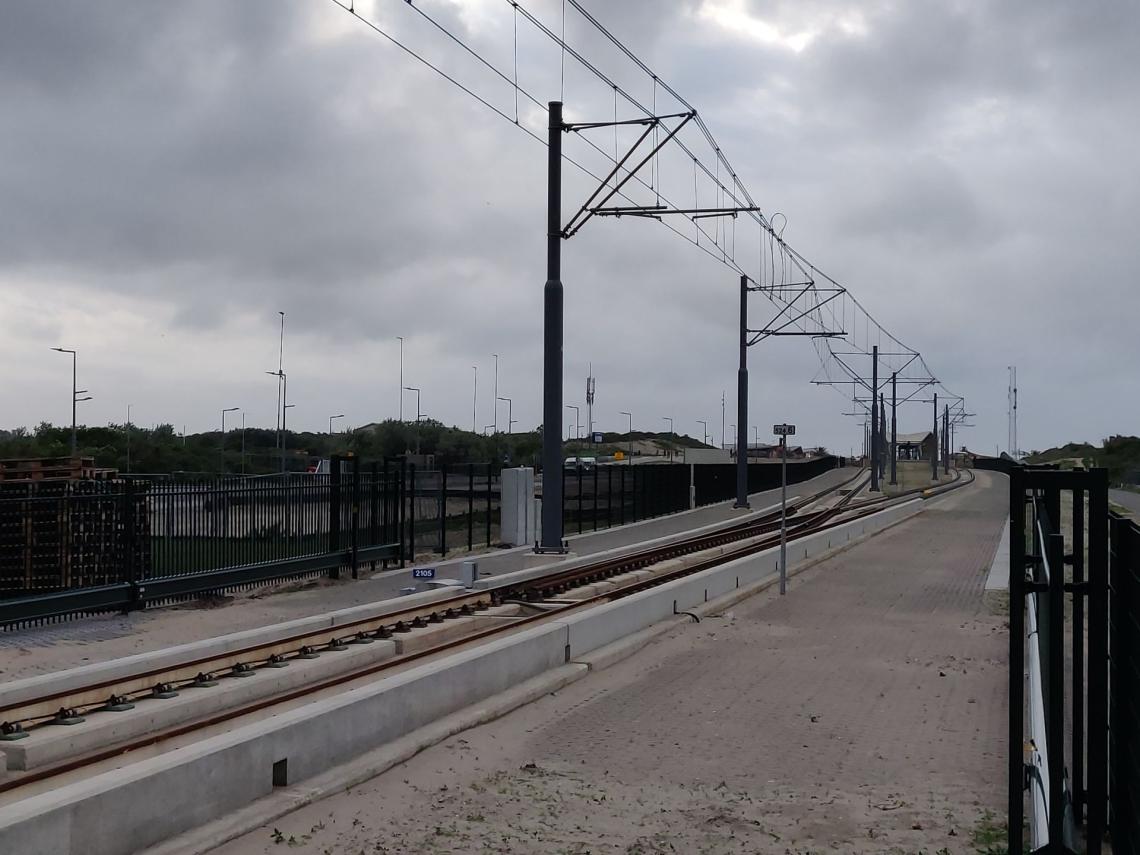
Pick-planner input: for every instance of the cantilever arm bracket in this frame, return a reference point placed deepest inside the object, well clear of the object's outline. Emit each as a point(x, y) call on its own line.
point(589, 208)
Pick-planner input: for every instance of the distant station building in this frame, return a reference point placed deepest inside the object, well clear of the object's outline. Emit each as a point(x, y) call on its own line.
point(916, 446)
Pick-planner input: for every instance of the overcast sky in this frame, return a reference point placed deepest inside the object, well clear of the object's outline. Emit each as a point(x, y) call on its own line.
point(173, 175)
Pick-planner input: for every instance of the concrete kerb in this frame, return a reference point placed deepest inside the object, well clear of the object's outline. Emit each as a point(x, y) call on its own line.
point(998, 578)
point(18, 691)
point(228, 771)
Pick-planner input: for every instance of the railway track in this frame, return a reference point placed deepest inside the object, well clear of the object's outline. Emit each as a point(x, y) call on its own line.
point(540, 599)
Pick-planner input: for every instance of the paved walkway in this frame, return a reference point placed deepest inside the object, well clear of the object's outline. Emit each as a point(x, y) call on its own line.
point(1127, 499)
point(864, 712)
point(71, 643)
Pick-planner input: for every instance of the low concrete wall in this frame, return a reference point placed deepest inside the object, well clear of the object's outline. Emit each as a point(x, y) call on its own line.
point(143, 803)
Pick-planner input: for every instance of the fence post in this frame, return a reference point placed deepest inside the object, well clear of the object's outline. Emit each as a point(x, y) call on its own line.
point(1078, 700)
point(470, 507)
point(443, 509)
point(579, 468)
point(1097, 678)
point(334, 512)
point(412, 513)
point(609, 496)
point(595, 496)
point(488, 520)
point(621, 487)
point(355, 497)
point(129, 546)
point(1016, 747)
point(374, 509)
point(1055, 679)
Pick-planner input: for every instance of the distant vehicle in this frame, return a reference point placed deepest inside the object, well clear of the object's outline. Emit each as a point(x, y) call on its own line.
point(586, 463)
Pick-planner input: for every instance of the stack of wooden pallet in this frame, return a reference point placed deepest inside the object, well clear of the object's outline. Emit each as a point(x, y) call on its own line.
point(53, 469)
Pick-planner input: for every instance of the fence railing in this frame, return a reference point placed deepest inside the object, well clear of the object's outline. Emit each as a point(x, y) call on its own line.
point(1059, 589)
point(1124, 684)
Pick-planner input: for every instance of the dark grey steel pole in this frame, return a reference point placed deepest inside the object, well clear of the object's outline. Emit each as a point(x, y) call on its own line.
point(882, 437)
point(934, 449)
point(742, 402)
point(894, 430)
point(74, 395)
point(874, 419)
point(552, 342)
point(945, 437)
point(783, 514)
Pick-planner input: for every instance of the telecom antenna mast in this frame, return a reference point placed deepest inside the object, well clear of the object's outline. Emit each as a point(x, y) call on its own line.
point(590, 402)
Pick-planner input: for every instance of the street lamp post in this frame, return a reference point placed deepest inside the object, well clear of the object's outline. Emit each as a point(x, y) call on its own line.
point(475, 400)
point(243, 442)
point(401, 338)
point(283, 389)
point(280, 375)
point(577, 425)
point(510, 417)
point(75, 399)
point(496, 392)
point(128, 429)
point(337, 416)
point(417, 391)
point(629, 436)
point(223, 457)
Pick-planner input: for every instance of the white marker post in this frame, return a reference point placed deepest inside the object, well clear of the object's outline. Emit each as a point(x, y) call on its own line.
point(783, 432)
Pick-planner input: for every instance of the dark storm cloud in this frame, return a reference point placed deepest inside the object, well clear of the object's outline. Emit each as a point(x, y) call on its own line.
point(966, 168)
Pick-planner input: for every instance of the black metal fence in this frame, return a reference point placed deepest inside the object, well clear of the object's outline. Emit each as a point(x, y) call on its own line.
point(1124, 684)
point(1061, 585)
point(606, 496)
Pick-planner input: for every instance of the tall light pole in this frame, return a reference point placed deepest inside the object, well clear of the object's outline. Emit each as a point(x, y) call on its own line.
point(223, 457)
point(280, 374)
point(282, 399)
point(510, 417)
point(722, 419)
point(128, 429)
point(577, 425)
point(756, 435)
point(75, 399)
point(401, 338)
point(629, 436)
point(337, 416)
point(243, 442)
point(704, 431)
point(417, 391)
point(496, 392)
point(475, 400)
